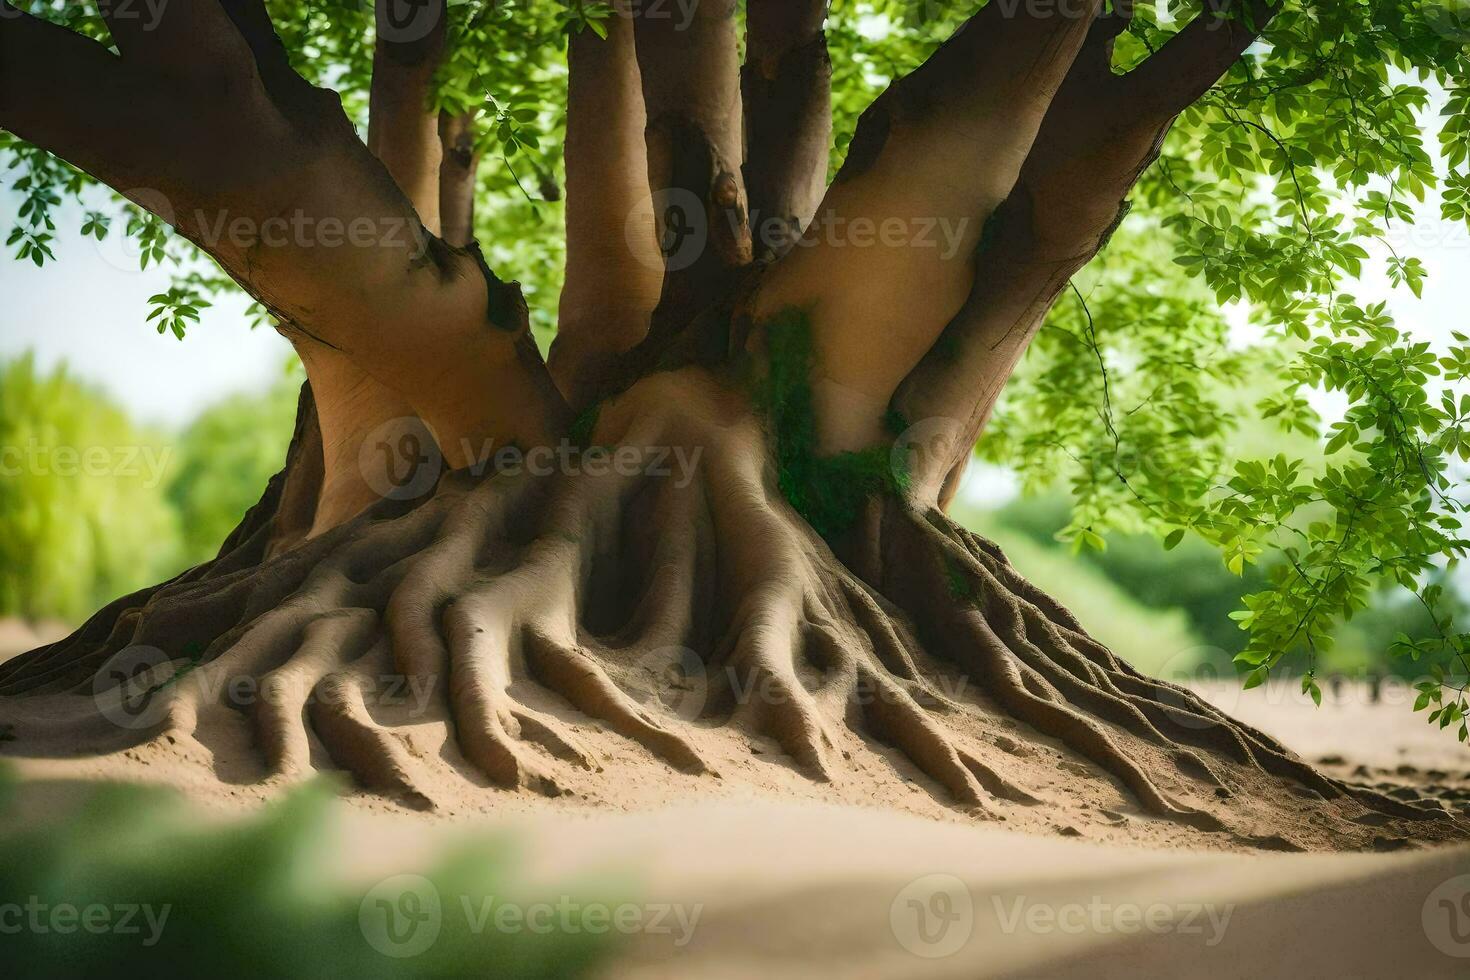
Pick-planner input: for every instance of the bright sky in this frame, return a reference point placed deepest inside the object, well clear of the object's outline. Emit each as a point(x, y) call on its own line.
point(89, 309)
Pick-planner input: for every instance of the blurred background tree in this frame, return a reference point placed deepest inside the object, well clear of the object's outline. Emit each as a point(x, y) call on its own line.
point(84, 516)
point(225, 457)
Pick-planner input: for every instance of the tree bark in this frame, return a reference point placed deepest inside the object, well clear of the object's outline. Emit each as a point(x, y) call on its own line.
point(292, 205)
point(403, 129)
point(786, 87)
point(1102, 131)
point(614, 270)
point(940, 149)
point(458, 176)
point(691, 92)
point(541, 611)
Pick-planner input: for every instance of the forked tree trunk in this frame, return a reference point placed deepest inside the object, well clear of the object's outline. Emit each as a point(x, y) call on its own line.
point(728, 516)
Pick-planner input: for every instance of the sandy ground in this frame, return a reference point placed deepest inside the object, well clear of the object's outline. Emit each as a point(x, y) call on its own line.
point(765, 874)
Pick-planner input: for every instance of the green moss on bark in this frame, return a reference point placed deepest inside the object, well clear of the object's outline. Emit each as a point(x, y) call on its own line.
point(829, 492)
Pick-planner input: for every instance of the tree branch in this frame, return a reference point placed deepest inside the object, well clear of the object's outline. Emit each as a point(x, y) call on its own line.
point(293, 206)
point(887, 263)
point(458, 176)
point(1097, 140)
point(1197, 56)
point(786, 86)
point(688, 61)
point(614, 270)
point(403, 131)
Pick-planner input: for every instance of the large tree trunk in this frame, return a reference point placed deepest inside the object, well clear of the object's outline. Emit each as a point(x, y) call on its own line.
point(729, 516)
point(620, 588)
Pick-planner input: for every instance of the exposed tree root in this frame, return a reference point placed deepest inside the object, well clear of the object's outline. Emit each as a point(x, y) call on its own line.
point(673, 605)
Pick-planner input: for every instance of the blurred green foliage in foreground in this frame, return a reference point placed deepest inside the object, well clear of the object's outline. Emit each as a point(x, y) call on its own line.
point(248, 899)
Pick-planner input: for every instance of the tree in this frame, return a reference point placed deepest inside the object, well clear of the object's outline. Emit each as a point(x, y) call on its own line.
point(80, 513)
point(826, 388)
point(225, 455)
